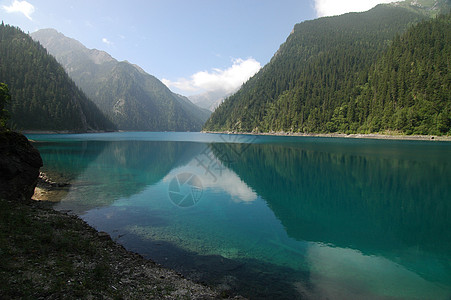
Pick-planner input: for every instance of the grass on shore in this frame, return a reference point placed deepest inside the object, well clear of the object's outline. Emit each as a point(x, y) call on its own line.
point(34, 253)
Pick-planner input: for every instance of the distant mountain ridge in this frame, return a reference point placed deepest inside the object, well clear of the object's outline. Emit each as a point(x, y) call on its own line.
point(318, 79)
point(43, 95)
point(209, 100)
point(129, 97)
point(428, 7)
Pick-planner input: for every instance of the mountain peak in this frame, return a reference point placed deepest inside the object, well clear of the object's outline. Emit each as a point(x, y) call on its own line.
point(426, 6)
point(100, 57)
point(131, 98)
point(60, 46)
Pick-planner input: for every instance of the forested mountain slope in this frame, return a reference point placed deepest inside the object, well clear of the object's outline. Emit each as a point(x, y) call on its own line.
point(129, 97)
point(43, 97)
point(409, 87)
point(323, 70)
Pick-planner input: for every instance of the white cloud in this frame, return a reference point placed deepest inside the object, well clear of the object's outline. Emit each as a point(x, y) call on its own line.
point(331, 268)
point(224, 180)
point(106, 41)
point(23, 7)
point(230, 183)
point(333, 7)
point(226, 80)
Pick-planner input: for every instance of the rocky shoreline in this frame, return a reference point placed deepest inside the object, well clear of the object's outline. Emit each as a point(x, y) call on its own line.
point(379, 136)
point(48, 189)
point(54, 255)
point(64, 131)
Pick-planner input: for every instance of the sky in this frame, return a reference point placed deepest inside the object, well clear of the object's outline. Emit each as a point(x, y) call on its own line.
point(193, 46)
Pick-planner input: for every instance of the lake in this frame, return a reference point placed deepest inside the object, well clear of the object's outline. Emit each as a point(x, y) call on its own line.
point(269, 217)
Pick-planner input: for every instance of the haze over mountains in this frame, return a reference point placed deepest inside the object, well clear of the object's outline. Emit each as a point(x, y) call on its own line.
point(129, 97)
point(210, 100)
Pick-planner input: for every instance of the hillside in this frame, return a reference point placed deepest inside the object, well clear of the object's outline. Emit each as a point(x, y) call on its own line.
point(43, 97)
point(126, 94)
point(322, 69)
point(409, 88)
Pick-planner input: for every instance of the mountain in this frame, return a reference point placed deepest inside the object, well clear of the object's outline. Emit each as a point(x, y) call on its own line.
point(43, 97)
point(409, 87)
point(319, 74)
point(427, 7)
point(126, 94)
point(209, 100)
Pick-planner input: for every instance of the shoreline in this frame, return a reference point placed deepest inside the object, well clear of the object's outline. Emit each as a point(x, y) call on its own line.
point(63, 131)
point(65, 257)
point(377, 136)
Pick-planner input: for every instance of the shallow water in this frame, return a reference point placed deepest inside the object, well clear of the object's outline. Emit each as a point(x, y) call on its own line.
point(269, 217)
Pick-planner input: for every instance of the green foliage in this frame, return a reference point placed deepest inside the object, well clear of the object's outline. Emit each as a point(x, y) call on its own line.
point(5, 98)
point(347, 74)
point(410, 86)
point(43, 96)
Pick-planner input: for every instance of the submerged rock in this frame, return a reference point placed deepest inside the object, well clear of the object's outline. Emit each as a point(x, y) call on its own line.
point(19, 166)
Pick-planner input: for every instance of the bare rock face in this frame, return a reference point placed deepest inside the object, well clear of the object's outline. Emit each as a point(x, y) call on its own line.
point(19, 166)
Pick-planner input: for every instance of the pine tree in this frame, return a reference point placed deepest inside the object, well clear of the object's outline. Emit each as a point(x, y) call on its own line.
point(5, 98)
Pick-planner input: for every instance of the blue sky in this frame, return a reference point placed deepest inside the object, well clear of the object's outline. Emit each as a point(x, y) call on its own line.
point(191, 45)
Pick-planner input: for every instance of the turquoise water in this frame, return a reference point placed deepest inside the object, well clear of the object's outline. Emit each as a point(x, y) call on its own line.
point(269, 217)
